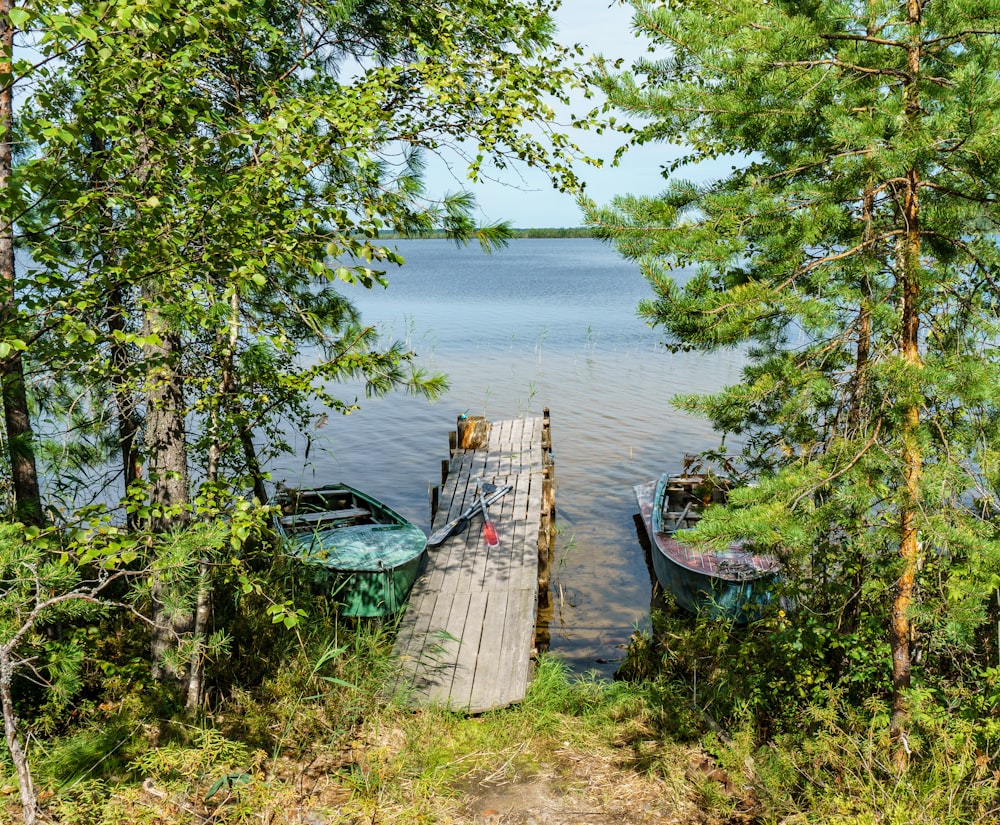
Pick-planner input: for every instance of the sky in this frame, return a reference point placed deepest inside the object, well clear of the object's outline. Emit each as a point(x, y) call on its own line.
point(525, 198)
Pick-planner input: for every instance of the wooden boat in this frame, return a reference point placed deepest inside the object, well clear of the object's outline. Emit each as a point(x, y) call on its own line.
point(363, 550)
point(734, 584)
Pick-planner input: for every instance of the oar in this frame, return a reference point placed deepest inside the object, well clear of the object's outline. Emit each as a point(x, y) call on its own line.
point(489, 528)
point(446, 530)
point(683, 516)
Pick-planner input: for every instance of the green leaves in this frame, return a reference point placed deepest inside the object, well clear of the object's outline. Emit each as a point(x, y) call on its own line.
point(849, 254)
point(19, 17)
point(287, 614)
point(203, 188)
point(12, 345)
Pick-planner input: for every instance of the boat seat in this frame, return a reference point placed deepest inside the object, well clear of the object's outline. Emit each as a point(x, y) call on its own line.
point(324, 515)
point(690, 516)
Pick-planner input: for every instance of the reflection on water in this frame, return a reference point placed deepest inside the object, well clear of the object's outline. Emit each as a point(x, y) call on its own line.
point(547, 323)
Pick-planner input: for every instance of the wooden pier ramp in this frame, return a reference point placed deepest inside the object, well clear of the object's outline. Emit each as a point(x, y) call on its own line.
point(466, 638)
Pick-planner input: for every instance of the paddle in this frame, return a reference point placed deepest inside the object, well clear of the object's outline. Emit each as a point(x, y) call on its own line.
point(446, 530)
point(489, 528)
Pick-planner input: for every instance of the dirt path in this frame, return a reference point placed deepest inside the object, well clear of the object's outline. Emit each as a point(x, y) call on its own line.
point(581, 789)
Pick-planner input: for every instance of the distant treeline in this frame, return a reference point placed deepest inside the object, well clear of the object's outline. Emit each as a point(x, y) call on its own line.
point(564, 232)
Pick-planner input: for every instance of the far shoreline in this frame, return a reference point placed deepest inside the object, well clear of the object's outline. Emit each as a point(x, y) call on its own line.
point(531, 232)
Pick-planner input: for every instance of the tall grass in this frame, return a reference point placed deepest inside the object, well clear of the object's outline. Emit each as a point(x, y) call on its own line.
point(318, 738)
point(821, 755)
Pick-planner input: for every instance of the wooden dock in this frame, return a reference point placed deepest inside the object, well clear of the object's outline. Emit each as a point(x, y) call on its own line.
point(467, 635)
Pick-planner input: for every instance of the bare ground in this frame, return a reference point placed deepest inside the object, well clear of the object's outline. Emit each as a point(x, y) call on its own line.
point(604, 786)
point(628, 784)
point(604, 798)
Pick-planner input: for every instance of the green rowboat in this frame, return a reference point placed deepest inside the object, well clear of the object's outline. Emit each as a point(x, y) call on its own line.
point(363, 550)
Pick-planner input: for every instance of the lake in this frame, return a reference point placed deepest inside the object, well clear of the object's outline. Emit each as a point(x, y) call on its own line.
point(544, 323)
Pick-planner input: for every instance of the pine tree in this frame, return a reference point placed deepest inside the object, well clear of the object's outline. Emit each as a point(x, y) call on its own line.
point(851, 252)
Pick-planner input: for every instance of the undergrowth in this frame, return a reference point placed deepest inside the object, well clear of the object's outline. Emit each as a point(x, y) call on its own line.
point(810, 751)
point(321, 739)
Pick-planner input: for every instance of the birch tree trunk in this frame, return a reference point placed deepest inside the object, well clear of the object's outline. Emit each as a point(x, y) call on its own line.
point(202, 617)
point(29, 802)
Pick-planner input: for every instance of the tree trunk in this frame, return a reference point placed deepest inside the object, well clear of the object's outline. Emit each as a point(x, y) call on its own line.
point(29, 802)
point(166, 442)
point(214, 446)
point(125, 401)
point(17, 420)
point(202, 616)
point(909, 547)
point(864, 327)
point(114, 319)
point(166, 451)
point(253, 464)
point(226, 347)
point(17, 416)
point(235, 408)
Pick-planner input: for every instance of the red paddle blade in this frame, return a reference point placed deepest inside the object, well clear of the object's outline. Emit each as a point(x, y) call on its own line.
point(490, 534)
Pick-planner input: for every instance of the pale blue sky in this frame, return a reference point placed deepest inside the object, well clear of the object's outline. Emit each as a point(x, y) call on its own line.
point(526, 198)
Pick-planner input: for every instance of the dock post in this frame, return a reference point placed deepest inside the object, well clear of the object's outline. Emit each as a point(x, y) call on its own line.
point(546, 529)
point(473, 432)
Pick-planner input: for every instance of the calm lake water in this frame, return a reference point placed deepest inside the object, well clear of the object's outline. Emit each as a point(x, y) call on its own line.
point(543, 323)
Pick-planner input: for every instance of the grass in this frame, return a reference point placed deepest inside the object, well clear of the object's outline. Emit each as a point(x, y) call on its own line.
point(316, 742)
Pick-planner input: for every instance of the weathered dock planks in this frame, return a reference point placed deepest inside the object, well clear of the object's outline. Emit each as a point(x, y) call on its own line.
point(466, 637)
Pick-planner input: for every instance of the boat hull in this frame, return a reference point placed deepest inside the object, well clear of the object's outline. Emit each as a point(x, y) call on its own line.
point(361, 551)
point(369, 594)
point(732, 584)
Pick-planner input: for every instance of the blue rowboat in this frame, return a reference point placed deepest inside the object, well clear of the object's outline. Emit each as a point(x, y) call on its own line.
point(732, 584)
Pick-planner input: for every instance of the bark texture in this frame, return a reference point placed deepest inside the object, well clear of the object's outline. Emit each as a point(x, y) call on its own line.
point(166, 452)
point(17, 416)
point(900, 631)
